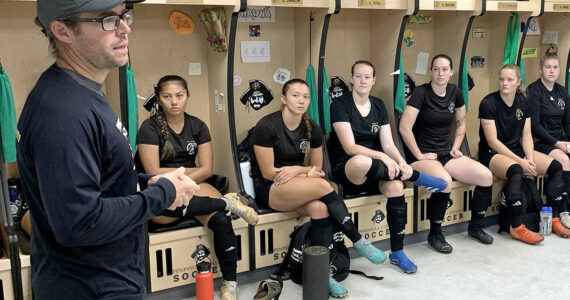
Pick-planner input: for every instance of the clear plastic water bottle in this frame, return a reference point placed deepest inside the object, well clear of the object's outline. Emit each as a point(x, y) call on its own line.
point(546, 220)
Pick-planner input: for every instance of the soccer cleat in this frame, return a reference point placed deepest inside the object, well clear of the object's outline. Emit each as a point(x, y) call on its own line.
point(432, 184)
point(476, 232)
point(366, 249)
point(229, 290)
point(525, 235)
point(234, 205)
point(437, 241)
point(400, 259)
point(565, 218)
point(336, 289)
point(559, 229)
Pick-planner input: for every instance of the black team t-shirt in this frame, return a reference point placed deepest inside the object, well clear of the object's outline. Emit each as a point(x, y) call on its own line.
point(550, 112)
point(432, 127)
point(509, 121)
point(365, 129)
point(289, 146)
point(194, 133)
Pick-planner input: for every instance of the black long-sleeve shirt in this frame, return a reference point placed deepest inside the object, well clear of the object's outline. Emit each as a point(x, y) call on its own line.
point(550, 112)
point(78, 174)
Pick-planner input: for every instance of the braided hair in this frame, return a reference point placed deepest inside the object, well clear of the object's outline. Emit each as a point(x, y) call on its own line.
point(306, 118)
point(166, 148)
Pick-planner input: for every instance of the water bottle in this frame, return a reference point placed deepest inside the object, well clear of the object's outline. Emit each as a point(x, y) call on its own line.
point(14, 207)
point(546, 220)
point(204, 281)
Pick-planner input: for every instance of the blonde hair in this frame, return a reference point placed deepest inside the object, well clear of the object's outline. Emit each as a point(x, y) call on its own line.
point(517, 69)
point(551, 53)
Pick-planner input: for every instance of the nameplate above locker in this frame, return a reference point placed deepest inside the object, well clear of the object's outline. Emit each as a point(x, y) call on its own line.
point(563, 7)
point(288, 2)
point(445, 4)
point(371, 3)
point(507, 6)
point(184, 1)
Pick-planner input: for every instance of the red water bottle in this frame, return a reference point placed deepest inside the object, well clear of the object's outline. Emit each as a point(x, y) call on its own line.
point(204, 281)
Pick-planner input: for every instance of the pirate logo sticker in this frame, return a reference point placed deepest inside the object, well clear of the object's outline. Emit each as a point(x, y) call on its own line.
point(338, 87)
point(561, 103)
point(200, 253)
point(191, 147)
point(257, 95)
point(303, 145)
point(378, 217)
point(519, 114)
point(375, 128)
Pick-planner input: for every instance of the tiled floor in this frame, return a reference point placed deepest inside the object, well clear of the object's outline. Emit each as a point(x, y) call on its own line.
point(507, 269)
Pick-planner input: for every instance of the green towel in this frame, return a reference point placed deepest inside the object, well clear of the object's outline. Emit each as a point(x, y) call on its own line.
point(465, 84)
point(512, 40)
point(326, 102)
point(7, 118)
point(313, 109)
point(400, 101)
point(132, 107)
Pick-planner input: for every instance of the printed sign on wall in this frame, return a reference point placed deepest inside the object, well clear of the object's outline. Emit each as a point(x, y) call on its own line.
point(258, 14)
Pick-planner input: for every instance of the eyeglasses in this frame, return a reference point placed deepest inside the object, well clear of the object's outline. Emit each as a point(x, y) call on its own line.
point(110, 22)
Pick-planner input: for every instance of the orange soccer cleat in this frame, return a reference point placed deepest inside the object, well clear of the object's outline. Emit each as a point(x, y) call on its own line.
point(523, 234)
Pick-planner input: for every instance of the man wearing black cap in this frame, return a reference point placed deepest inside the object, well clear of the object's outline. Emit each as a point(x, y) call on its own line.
point(76, 163)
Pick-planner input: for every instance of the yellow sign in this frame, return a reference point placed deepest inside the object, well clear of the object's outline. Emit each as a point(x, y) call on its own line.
point(529, 52)
point(507, 5)
point(445, 4)
point(371, 3)
point(561, 7)
point(181, 23)
point(288, 2)
point(184, 1)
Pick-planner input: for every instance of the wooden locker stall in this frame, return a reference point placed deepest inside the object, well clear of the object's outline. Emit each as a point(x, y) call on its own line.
point(293, 44)
point(368, 30)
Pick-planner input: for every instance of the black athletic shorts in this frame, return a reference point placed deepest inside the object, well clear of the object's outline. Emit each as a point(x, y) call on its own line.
point(486, 156)
point(443, 158)
point(262, 187)
point(350, 188)
point(543, 147)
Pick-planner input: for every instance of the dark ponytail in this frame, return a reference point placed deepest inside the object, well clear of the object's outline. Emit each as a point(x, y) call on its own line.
point(306, 119)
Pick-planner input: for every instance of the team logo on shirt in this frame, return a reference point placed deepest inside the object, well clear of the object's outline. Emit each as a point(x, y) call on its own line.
point(191, 147)
point(561, 103)
point(375, 128)
point(378, 217)
point(303, 145)
point(451, 107)
point(519, 114)
point(122, 130)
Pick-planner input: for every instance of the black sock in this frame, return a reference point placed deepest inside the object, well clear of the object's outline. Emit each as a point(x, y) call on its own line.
point(554, 187)
point(339, 212)
point(566, 195)
point(514, 194)
point(225, 244)
point(321, 233)
point(481, 199)
point(437, 205)
point(397, 219)
point(198, 206)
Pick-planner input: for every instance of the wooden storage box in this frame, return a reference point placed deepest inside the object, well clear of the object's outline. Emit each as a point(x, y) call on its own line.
point(369, 215)
point(6, 278)
point(461, 195)
point(26, 276)
point(271, 237)
point(170, 260)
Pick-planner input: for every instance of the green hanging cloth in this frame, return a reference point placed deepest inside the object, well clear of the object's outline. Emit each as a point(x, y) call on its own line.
point(326, 102)
point(132, 108)
point(313, 109)
point(400, 101)
point(465, 84)
point(523, 76)
point(8, 121)
point(512, 40)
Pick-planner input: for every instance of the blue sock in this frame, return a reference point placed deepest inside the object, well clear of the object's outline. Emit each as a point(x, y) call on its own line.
point(432, 184)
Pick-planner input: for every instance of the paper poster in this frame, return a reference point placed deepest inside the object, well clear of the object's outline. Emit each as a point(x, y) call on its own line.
point(529, 52)
point(550, 37)
point(194, 69)
point(258, 14)
point(254, 30)
point(477, 62)
point(408, 37)
point(281, 75)
point(255, 51)
point(422, 63)
point(419, 19)
point(478, 33)
point(533, 27)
